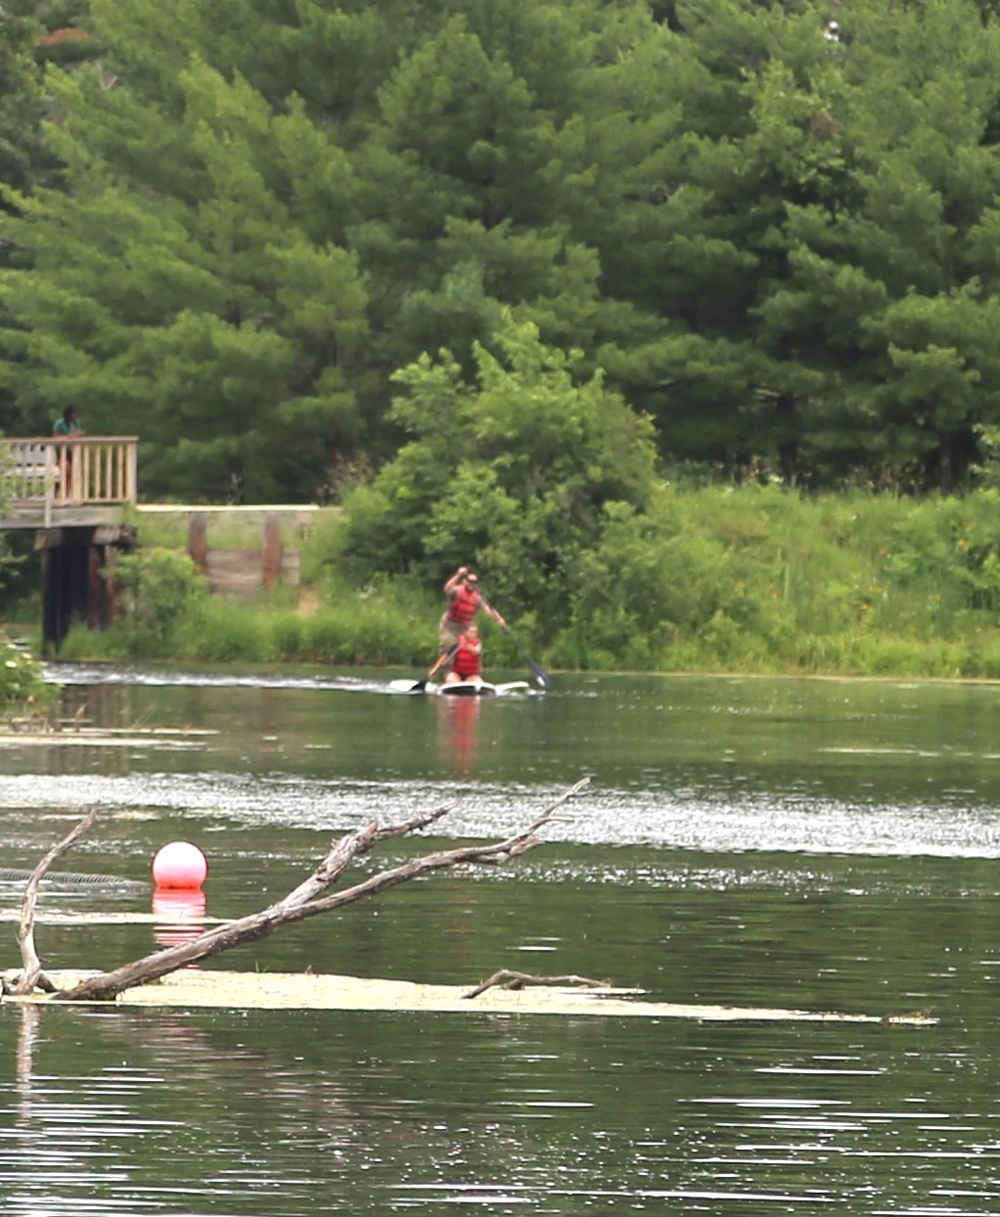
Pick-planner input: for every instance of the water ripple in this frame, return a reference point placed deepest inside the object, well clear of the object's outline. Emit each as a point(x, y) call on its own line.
point(762, 822)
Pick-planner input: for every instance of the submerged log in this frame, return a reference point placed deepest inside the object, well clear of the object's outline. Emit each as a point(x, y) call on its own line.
point(306, 900)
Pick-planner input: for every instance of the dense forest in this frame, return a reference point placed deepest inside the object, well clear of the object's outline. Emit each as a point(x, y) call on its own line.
point(769, 230)
point(505, 277)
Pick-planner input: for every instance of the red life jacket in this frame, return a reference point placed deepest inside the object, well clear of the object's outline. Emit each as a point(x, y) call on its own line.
point(463, 606)
point(467, 660)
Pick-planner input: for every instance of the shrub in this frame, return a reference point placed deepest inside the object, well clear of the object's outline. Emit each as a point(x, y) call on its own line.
point(22, 682)
point(220, 630)
point(158, 589)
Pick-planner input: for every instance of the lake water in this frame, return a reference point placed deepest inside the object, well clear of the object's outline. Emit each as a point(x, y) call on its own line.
point(809, 844)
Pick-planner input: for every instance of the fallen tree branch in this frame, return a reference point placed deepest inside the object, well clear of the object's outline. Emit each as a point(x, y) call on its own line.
point(307, 900)
point(517, 980)
point(32, 976)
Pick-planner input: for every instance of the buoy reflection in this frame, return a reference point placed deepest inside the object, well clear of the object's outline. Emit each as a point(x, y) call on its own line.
point(181, 912)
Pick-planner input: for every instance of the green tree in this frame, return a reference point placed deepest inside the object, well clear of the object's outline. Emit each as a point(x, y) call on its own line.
point(20, 99)
point(273, 205)
point(778, 245)
point(23, 160)
point(476, 172)
point(799, 192)
point(183, 289)
point(513, 472)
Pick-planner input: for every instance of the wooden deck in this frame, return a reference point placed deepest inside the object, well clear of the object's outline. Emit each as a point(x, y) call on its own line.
point(53, 483)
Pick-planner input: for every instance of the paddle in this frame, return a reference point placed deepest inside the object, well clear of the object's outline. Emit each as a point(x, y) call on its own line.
point(542, 678)
point(420, 686)
point(442, 659)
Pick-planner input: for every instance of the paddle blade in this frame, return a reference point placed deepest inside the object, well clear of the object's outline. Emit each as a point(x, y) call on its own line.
point(542, 678)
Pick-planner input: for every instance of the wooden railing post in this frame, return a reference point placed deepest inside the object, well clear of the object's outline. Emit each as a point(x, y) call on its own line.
point(50, 474)
point(50, 482)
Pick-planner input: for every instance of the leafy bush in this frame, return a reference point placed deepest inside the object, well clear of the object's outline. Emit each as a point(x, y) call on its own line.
point(758, 579)
point(22, 684)
point(511, 473)
point(158, 589)
point(368, 634)
point(221, 630)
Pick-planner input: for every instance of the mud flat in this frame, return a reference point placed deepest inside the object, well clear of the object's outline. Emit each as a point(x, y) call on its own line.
point(197, 989)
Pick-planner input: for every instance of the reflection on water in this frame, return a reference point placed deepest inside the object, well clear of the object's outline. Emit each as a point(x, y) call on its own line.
point(713, 819)
point(817, 846)
point(180, 912)
point(458, 721)
point(26, 1037)
point(94, 675)
point(257, 1115)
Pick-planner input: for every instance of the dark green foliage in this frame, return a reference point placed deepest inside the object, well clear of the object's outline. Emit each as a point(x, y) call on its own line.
point(778, 245)
point(22, 681)
point(159, 587)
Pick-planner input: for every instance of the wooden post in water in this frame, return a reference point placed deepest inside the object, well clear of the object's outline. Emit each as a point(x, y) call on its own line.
point(75, 586)
point(65, 582)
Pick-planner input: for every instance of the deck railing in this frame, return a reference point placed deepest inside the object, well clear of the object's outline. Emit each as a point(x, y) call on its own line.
point(55, 473)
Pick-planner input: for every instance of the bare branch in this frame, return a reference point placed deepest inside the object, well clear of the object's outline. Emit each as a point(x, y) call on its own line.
point(305, 901)
point(352, 846)
point(32, 976)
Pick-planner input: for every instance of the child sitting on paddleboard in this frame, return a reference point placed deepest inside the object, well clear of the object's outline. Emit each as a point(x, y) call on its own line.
point(467, 663)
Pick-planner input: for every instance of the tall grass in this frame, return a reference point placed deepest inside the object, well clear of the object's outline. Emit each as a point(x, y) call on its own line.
point(753, 579)
point(756, 579)
point(348, 628)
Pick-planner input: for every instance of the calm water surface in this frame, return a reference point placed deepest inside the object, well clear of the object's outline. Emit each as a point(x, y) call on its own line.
point(822, 845)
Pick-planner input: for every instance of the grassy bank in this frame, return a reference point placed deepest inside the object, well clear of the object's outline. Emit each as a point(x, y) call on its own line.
point(714, 579)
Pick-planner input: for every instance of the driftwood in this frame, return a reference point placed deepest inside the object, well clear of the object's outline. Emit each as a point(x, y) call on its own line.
point(32, 976)
point(517, 980)
point(306, 900)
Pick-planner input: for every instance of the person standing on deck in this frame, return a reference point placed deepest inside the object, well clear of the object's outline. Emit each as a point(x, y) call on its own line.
point(67, 427)
point(464, 601)
point(467, 663)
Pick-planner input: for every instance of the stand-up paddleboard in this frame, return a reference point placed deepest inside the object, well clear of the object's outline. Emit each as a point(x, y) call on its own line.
point(480, 688)
point(459, 688)
point(408, 686)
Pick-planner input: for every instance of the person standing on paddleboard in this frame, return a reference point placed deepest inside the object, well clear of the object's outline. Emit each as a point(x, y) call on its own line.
point(464, 601)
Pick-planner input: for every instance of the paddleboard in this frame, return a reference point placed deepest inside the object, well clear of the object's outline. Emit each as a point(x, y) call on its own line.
point(461, 688)
point(408, 686)
point(467, 688)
